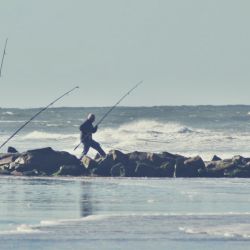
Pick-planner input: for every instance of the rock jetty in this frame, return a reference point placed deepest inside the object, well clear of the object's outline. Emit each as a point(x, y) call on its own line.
point(48, 162)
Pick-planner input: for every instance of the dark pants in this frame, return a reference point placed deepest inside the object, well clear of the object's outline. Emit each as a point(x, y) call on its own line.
point(87, 144)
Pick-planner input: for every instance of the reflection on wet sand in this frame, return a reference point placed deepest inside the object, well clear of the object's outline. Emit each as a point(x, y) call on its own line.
point(86, 207)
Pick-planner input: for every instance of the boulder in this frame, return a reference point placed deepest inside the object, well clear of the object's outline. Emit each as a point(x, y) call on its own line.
point(171, 156)
point(167, 169)
point(8, 158)
point(211, 173)
point(118, 156)
point(104, 165)
point(33, 172)
point(239, 160)
point(118, 170)
point(72, 170)
point(45, 160)
point(137, 156)
point(189, 167)
point(216, 158)
point(217, 168)
point(239, 172)
point(144, 170)
point(153, 159)
point(89, 163)
point(4, 172)
point(12, 150)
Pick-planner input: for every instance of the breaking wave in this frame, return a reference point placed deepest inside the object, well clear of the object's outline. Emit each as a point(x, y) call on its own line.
point(149, 136)
point(37, 135)
point(155, 136)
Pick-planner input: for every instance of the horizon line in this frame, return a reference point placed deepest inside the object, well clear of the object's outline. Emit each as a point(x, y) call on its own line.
point(136, 106)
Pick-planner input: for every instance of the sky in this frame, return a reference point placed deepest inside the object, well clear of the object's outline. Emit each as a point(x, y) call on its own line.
point(187, 52)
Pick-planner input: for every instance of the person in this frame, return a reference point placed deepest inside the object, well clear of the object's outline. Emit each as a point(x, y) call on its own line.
point(87, 129)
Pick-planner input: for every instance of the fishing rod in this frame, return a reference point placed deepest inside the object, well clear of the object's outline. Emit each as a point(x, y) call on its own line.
point(38, 113)
point(4, 53)
point(114, 106)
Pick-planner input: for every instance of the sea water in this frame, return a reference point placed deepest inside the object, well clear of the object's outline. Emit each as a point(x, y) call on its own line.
point(188, 130)
point(129, 213)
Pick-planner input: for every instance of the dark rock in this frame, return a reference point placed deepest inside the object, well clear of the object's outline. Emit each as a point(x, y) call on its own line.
point(239, 160)
point(118, 170)
point(220, 165)
point(130, 169)
point(12, 150)
point(4, 172)
point(144, 170)
point(72, 170)
point(239, 172)
point(33, 172)
point(156, 159)
point(211, 173)
point(171, 156)
point(137, 156)
point(89, 163)
point(247, 166)
point(152, 159)
point(118, 156)
point(189, 167)
point(224, 164)
point(22, 167)
point(45, 160)
point(104, 165)
point(8, 158)
point(167, 169)
point(217, 168)
point(216, 158)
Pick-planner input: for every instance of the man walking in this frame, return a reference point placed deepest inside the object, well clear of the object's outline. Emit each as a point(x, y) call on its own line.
point(87, 129)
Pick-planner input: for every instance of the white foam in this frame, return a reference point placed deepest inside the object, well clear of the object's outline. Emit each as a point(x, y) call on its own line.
point(225, 231)
point(155, 136)
point(8, 113)
point(69, 221)
point(150, 136)
point(37, 135)
point(22, 229)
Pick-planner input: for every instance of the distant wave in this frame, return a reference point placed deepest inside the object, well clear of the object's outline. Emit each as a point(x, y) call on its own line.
point(37, 135)
point(8, 113)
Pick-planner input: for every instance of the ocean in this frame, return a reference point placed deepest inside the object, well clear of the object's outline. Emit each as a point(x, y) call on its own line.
point(128, 213)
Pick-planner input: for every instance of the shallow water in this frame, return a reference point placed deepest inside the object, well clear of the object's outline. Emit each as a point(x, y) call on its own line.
point(122, 213)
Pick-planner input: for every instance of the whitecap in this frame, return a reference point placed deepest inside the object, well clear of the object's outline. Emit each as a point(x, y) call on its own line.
point(8, 113)
point(185, 130)
point(38, 135)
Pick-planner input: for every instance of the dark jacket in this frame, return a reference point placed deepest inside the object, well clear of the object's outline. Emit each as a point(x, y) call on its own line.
point(87, 129)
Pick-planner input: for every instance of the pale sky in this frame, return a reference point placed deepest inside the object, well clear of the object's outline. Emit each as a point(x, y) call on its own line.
point(188, 52)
